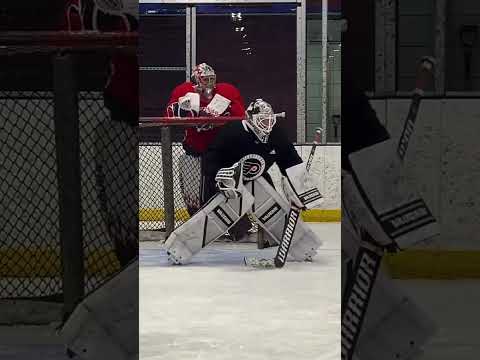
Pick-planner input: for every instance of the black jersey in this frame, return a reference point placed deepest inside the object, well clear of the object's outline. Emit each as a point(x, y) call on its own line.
point(360, 125)
point(235, 140)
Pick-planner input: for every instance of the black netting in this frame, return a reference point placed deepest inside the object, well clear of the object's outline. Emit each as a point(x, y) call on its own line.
point(30, 249)
point(29, 238)
point(186, 183)
point(108, 155)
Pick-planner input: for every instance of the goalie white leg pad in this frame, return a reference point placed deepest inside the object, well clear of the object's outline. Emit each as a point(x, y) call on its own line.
point(394, 327)
point(105, 324)
point(208, 224)
point(270, 210)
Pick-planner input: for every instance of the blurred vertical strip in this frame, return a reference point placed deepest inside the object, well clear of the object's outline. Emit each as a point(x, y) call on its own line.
point(358, 47)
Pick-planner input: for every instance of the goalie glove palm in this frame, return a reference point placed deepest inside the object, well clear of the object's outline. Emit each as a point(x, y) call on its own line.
point(229, 180)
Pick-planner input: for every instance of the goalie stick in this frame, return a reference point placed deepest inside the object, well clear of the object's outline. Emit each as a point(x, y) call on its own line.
point(359, 287)
point(291, 222)
point(316, 141)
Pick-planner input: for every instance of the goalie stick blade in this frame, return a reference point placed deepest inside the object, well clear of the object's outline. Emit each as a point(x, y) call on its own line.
point(259, 262)
point(287, 237)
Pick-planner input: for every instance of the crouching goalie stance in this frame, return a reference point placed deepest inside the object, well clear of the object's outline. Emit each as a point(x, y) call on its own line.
point(237, 183)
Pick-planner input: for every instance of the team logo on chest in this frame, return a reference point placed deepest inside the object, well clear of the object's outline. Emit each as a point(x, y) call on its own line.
point(253, 166)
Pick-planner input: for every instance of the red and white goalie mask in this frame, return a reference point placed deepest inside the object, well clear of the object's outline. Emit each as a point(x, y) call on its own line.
point(204, 80)
point(260, 119)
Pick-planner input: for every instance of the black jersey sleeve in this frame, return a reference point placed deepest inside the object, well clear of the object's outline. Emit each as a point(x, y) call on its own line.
point(360, 125)
point(215, 157)
point(286, 155)
point(220, 146)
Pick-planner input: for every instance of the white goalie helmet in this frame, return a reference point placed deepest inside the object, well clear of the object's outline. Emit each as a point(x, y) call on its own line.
point(260, 119)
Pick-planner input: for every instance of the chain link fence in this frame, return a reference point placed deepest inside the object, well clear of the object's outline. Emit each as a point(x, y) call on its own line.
point(37, 229)
point(29, 241)
point(186, 175)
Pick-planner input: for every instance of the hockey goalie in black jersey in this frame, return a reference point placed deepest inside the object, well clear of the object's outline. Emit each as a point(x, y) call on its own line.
point(237, 183)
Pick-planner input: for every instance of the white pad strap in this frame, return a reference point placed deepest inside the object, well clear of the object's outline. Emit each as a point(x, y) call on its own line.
point(299, 187)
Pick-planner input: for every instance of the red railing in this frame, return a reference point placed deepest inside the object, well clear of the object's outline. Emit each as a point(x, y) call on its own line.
point(186, 121)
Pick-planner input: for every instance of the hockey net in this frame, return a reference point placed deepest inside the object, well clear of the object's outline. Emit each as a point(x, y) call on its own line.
point(169, 179)
point(55, 244)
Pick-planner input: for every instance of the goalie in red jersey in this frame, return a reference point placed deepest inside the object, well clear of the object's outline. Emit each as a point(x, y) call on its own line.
point(202, 96)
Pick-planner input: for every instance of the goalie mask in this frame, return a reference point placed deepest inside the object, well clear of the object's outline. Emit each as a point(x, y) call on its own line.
point(204, 80)
point(260, 119)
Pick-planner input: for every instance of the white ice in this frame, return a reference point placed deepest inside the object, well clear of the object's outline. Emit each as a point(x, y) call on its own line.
point(217, 308)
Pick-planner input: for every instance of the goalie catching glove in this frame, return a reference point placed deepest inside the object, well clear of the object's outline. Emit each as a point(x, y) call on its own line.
point(300, 189)
point(229, 180)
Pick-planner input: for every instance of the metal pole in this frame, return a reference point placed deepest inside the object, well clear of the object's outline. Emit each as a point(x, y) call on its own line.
point(379, 47)
point(194, 37)
point(390, 46)
point(440, 36)
point(324, 68)
point(167, 172)
point(68, 174)
point(301, 69)
point(188, 43)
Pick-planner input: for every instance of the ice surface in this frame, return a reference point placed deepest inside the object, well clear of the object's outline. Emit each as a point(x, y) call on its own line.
point(217, 308)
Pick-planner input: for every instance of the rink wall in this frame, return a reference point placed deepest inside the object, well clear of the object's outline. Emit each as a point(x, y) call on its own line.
point(444, 161)
point(325, 167)
point(326, 170)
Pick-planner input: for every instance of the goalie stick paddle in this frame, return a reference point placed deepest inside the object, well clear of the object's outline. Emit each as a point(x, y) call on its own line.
point(288, 231)
point(293, 215)
point(359, 290)
point(359, 287)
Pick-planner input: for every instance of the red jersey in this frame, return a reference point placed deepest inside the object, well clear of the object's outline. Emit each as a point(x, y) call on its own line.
point(197, 139)
point(122, 85)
